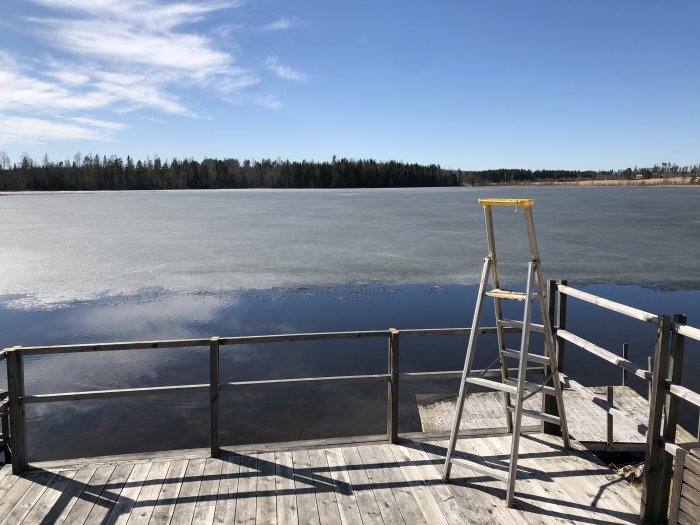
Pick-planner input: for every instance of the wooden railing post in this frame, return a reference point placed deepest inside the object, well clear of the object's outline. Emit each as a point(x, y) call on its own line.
point(392, 418)
point(5, 427)
point(18, 427)
point(668, 430)
point(654, 508)
point(214, 396)
point(556, 307)
point(610, 429)
point(625, 355)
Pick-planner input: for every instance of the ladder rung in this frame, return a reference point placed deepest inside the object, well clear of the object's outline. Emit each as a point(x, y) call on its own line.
point(515, 354)
point(534, 386)
point(511, 323)
point(537, 415)
point(481, 469)
point(497, 293)
point(494, 385)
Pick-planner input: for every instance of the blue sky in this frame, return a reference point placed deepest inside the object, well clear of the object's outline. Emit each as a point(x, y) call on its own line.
point(471, 85)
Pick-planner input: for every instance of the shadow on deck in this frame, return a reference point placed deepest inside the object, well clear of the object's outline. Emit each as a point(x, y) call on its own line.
point(364, 483)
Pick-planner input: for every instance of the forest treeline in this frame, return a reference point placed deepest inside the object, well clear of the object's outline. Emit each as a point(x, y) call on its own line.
point(92, 172)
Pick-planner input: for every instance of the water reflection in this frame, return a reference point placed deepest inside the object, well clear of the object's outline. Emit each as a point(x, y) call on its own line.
point(172, 421)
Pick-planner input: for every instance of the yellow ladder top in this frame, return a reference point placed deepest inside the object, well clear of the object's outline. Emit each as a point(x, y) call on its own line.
point(524, 203)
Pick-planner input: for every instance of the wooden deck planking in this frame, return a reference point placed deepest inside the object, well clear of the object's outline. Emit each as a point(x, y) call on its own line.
point(586, 412)
point(376, 483)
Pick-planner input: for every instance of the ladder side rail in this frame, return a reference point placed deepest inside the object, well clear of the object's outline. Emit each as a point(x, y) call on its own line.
point(500, 332)
point(546, 322)
point(467, 367)
point(522, 372)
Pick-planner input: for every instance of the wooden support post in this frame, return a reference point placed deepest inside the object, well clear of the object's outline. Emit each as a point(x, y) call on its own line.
point(650, 367)
point(214, 396)
point(392, 415)
point(625, 355)
point(5, 429)
point(653, 508)
point(668, 430)
point(549, 403)
point(609, 427)
point(556, 302)
point(18, 426)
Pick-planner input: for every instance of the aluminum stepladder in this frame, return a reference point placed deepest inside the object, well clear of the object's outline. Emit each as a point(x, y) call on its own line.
point(519, 387)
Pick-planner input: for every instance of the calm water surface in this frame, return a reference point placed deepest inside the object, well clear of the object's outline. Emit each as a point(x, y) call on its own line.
point(149, 265)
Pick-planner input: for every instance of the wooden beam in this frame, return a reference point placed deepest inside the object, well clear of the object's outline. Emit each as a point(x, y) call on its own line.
point(106, 394)
point(284, 338)
point(18, 424)
point(392, 415)
point(688, 331)
point(306, 381)
point(654, 508)
point(625, 355)
point(610, 305)
point(214, 397)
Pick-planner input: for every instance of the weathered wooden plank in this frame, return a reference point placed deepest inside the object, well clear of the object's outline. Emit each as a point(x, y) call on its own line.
point(205, 509)
point(476, 503)
point(49, 498)
point(187, 498)
point(148, 496)
point(22, 506)
point(620, 308)
point(109, 347)
point(691, 479)
point(110, 494)
point(347, 502)
point(318, 336)
point(228, 490)
point(324, 487)
point(307, 507)
point(688, 331)
point(385, 471)
point(684, 519)
point(61, 509)
point(127, 499)
point(421, 492)
point(691, 494)
point(167, 497)
point(248, 478)
point(380, 487)
point(108, 394)
point(305, 381)
point(266, 500)
point(284, 488)
point(90, 495)
point(366, 501)
point(693, 511)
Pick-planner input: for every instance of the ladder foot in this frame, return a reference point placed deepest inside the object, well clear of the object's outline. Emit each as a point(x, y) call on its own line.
point(446, 473)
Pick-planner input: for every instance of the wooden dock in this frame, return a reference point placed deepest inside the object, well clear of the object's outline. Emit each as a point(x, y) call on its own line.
point(587, 410)
point(354, 484)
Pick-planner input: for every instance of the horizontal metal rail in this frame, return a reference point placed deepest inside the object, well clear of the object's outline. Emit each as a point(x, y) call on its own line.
point(456, 374)
point(608, 304)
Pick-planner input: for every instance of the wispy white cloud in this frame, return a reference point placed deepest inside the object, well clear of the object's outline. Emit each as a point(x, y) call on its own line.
point(15, 129)
point(281, 24)
point(112, 56)
point(283, 71)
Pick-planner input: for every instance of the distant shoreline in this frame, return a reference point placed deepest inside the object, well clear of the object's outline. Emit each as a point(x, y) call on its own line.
point(657, 182)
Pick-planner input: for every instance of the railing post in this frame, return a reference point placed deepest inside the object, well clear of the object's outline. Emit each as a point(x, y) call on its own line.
point(392, 418)
point(556, 306)
point(653, 508)
point(609, 420)
point(5, 427)
point(625, 355)
point(18, 426)
point(214, 396)
point(668, 430)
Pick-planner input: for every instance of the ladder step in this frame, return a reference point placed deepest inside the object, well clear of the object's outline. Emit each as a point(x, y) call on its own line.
point(534, 386)
point(537, 415)
point(515, 354)
point(511, 323)
point(494, 385)
point(481, 469)
point(497, 293)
